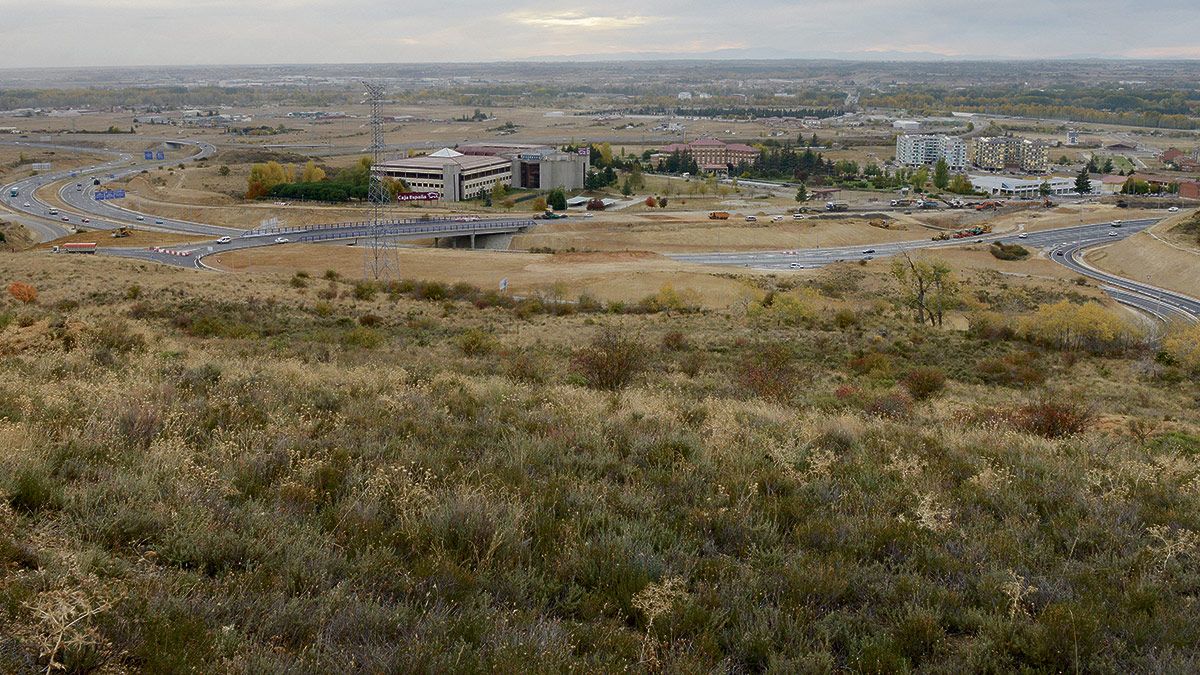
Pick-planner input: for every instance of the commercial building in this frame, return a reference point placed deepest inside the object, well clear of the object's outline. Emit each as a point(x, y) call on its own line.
point(536, 167)
point(713, 155)
point(997, 153)
point(453, 175)
point(1023, 187)
point(906, 125)
point(926, 149)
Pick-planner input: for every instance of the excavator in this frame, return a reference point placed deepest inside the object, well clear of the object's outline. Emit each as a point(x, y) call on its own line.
point(120, 232)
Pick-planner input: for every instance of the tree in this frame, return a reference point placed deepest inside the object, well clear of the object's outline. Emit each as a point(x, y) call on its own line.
point(557, 199)
point(929, 288)
point(941, 174)
point(919, 178)
point(223, 171)
point(311, 173)
point(626, 188)
point(635, 179)
point(1108, 166)
point(651, 202)
point(662, 202)
point(540, 205)
point(498, 192)
point(961, 185)
point(263, 177)
point(802, 193)
point(1083, 182)
point(1044, 189)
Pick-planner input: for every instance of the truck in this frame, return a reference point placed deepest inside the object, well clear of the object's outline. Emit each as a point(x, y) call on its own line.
point(902, 202)
point(927, 204)
point(80, 247)
point(719, 215)
point(837, 206)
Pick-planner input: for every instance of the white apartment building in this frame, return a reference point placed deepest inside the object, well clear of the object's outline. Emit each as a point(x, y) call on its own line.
point(927, 149)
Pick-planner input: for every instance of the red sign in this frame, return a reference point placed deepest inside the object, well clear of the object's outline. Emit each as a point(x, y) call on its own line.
point(417, 197)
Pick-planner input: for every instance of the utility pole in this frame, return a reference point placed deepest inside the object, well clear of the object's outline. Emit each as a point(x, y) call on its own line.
point(380, 260)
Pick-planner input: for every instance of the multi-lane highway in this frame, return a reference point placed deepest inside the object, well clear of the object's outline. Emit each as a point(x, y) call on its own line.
point(79, 196)
point(1064, 246)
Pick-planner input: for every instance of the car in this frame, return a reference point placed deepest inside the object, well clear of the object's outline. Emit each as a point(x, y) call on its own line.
point(1173, 209)
point(796, 266)
point(65, 219)
point(1023, 235)
point(751, 219)
point(84, 220)
point(777, 218)
point(27, 205)
point(1112, 234)
point(870, 250)
point(224, 240)
point(281, 240)
point(868, 257)
point(158, 221)
point(1058, 253)
point(141, 217)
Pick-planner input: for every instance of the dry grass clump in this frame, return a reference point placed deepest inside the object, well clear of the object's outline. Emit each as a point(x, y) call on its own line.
point(263, 481)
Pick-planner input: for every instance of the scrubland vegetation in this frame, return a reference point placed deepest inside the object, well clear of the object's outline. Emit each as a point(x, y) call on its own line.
point(317, 475)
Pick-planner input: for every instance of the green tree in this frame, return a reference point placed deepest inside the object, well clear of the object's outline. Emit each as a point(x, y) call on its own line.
point(557, 199)
point(1083, 182)
point(1044, 189)
point(802, 193)
point(961, 185)
point(941, 174)
point(498, 192)
point(928, 287)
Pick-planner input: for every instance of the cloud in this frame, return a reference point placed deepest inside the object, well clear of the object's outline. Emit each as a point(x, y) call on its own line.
point(578, 20)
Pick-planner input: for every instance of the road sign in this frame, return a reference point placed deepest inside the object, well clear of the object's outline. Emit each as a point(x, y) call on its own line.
point(40, 166)
point(160, 155)
point(417, 197)
point(101, 195)
point(149, 154)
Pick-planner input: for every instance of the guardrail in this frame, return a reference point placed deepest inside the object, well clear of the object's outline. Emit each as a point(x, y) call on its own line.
point(391, 230)
point(266, 231)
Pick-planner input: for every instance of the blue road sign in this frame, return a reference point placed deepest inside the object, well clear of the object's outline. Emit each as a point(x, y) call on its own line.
point(149, 154)
point(160, 155)
point(109, 194)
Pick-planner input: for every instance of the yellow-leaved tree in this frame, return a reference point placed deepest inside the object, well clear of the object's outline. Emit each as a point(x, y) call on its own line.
point(311, 173)
point(263, 177)
point(1086, 326)
point(1183, 344)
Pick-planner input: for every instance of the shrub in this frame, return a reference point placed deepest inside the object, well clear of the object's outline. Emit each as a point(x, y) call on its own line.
point(116, 335)
point(874, 364)
point(1018, 369)
point(133, 292)
point(924, 382)
point(476, 342)
point(770, 372)
point(298, 282)
point(370, 320)
point(363, 337)
point(365, 290)
point(1002, 251)
point(845, 318)
point(332, 275)
point(611, 361)
point(990, 326)
point(675, 341)
point(23, 293)
point(1053, 418)
point(1182, 344)
point(894, 405)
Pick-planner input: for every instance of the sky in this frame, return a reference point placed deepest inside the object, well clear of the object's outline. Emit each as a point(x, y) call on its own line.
point(206, 32)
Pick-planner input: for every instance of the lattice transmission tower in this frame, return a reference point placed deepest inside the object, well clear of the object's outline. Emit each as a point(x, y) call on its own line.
point(380, 260)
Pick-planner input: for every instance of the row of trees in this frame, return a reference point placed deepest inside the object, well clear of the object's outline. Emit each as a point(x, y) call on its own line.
point(272, 179)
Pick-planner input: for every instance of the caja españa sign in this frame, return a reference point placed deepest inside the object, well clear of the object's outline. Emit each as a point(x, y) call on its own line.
point(417, 197)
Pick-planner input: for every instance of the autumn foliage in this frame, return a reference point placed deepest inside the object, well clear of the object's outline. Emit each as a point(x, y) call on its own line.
point(23, 293)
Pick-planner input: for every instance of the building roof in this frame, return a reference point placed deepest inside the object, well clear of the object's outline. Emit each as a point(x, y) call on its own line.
point(446, 152)
point(741, 147)
point(707, 143)
point(439, 160)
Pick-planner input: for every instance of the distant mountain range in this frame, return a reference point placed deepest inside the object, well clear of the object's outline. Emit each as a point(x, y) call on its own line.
point(767, 54)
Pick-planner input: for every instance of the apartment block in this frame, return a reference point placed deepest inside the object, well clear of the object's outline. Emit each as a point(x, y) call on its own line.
point(927, 149)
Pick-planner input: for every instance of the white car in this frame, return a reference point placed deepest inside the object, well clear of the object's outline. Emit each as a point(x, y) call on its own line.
point(777, 218)
point(751, 219)
point(141, 217)
point(1112, 234)
point(27, 204)
point(796, 266)
point(281, 240)
point(224, 240)
point(1173, 209)
point(1022, 236)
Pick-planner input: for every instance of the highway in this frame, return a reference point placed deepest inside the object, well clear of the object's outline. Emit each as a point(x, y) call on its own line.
point(1063, 245)
point(79, 196)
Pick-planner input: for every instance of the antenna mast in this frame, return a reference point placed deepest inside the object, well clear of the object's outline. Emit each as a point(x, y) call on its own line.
point(381, 261)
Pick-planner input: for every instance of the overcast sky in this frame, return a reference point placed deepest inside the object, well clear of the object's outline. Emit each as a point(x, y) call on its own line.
point(181, 32)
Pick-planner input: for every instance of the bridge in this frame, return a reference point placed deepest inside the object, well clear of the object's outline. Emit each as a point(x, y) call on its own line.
point(462, 232)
